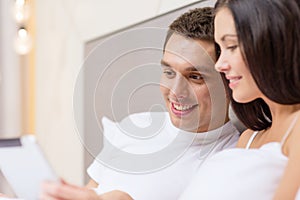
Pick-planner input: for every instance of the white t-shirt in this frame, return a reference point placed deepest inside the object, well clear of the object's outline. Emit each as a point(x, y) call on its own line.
point(147, 157)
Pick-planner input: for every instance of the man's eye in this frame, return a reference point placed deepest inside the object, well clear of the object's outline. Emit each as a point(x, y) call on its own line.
point(169, 73)
point(196, 76)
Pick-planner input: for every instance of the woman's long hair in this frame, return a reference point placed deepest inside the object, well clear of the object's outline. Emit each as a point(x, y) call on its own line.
point(269, 36)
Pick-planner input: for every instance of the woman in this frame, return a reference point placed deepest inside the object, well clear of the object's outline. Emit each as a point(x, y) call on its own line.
point(260, 51)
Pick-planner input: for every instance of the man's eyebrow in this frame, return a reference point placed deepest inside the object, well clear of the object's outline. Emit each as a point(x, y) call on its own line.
point(228, 36)
point(164, 63)
point(200, 68)
point(192, 69)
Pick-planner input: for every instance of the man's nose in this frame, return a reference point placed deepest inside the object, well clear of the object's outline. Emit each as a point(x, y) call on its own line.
point(180, 87)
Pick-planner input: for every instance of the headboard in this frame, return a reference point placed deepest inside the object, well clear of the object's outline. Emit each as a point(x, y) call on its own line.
point(120, 76)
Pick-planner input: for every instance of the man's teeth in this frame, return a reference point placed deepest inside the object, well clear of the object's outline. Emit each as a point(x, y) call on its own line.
point(182, 107)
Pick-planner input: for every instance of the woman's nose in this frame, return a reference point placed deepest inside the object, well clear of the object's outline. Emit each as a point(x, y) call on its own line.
point(222, 65)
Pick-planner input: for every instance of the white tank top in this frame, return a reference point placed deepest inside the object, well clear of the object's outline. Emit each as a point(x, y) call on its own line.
point(235, 174)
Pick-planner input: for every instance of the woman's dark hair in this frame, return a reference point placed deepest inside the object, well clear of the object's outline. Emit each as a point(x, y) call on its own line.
point(269, 36)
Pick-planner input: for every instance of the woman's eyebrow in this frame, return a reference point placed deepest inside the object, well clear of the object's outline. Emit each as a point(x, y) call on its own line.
point(228, 36)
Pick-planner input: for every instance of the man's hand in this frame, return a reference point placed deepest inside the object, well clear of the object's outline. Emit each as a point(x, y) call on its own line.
point(115, 195)
point(65, 191)
point(62, 190)
point(2, 195)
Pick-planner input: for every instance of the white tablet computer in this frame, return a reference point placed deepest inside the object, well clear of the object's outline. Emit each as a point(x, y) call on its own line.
point(24, 166)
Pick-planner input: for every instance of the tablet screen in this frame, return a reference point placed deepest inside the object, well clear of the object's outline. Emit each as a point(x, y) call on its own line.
point(24, 166)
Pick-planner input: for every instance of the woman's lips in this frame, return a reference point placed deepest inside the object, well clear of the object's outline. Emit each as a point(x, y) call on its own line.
point(233, 81)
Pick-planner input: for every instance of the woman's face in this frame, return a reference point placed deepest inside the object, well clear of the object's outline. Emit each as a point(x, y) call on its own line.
point(231, 61)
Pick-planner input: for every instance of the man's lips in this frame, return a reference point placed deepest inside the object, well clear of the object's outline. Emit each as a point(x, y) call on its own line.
point(182, 109)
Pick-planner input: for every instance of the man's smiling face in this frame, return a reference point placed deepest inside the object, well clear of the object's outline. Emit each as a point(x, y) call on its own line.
point(188, 66)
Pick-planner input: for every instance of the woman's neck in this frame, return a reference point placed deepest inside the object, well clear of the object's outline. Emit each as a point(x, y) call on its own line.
point(282, 113)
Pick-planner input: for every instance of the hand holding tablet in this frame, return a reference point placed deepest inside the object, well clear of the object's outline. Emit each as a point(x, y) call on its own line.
point(24, 166)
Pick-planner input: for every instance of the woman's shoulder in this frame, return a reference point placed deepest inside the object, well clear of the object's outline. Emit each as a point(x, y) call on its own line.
point(244, 138)
point(292, 142)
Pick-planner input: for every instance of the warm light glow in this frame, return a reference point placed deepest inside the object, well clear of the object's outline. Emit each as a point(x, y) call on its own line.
point(20, 2)
point(23, 42)
point(19, 17)
point(21, 11)
point(22, 33)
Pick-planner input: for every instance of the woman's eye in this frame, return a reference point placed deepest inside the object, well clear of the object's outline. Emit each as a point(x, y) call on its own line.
point(232, 48)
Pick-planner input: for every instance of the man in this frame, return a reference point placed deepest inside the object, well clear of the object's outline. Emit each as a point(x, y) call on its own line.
point(195, 127)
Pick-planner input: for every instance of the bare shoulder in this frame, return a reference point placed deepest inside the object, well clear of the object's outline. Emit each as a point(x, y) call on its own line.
point(244, 138)
point(290, 181)
point(292, 143)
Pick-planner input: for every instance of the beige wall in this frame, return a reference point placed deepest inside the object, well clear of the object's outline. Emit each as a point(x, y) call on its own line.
point(10, 95)
point(63, 27)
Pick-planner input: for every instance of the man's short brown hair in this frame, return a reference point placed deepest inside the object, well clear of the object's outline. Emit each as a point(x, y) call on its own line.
point(197, 23)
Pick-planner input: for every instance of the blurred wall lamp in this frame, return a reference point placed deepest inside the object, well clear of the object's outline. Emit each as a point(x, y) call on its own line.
point(23, 40)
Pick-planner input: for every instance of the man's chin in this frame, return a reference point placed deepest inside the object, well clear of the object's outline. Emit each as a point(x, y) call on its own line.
point(184, 124)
